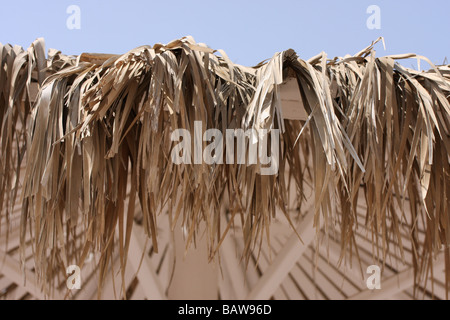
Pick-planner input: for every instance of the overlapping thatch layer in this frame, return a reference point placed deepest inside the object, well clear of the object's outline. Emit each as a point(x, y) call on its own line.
point(100, 132)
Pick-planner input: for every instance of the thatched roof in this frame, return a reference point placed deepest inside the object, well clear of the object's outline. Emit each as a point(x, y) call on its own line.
point(97, 145)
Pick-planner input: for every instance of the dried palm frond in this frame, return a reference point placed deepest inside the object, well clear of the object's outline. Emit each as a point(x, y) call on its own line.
point(398, 121)
point(16, 67)
point(22, 74)
point(100, 138)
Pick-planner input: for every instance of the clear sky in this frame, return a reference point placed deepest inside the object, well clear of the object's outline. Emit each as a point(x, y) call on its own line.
point(248, 30)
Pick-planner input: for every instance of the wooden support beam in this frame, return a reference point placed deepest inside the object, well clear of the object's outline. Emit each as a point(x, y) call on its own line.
point(285, 260)
point(236, 271)
point(292, 105)
point(96, 58)
point(351, 266)
point(395, 284)
point(194, 276)
point(226, 289)
point(13, 239)
point(146, 274)
point(11, 269)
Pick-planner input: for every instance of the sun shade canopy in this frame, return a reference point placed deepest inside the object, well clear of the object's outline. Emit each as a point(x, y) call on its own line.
point(95, 132)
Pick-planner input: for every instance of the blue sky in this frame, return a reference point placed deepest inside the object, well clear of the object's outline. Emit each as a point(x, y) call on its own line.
point(248, 30)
